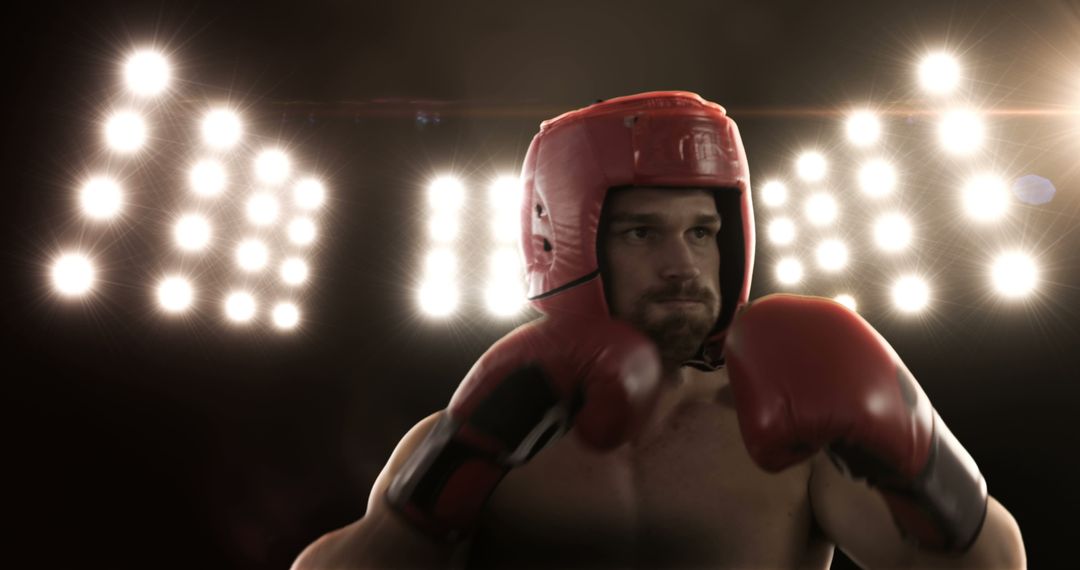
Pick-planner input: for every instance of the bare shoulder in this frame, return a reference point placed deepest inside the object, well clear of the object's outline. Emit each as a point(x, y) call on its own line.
point(380, 537)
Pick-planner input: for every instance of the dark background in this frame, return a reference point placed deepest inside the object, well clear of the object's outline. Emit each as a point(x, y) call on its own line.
point(138, 441)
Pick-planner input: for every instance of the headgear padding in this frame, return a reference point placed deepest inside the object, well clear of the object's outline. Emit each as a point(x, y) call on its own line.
point(663, 139)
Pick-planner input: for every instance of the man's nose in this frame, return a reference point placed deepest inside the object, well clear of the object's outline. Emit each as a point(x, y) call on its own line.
point(678, 261)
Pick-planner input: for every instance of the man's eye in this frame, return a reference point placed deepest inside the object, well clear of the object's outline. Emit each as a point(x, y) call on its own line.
point(702, 233)
point(639, 233)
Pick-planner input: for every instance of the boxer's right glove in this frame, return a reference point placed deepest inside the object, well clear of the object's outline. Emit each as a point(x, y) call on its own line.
point(598, 376)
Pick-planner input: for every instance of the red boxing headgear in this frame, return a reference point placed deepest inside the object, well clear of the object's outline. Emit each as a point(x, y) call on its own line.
point(671, 139)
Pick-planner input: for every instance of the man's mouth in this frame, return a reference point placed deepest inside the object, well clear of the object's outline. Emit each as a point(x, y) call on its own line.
point(679, 302)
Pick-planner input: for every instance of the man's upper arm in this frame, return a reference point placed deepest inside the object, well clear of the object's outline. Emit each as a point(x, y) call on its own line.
point(382, 537)
point(856, 518)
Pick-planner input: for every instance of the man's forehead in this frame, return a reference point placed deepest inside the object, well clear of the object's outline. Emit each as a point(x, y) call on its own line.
point(659, 204)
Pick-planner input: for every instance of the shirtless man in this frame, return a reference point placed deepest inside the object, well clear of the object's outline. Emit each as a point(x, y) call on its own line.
point(638, 239)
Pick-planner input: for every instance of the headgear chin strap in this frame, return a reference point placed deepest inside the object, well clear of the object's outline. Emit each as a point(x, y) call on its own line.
point(662, 139)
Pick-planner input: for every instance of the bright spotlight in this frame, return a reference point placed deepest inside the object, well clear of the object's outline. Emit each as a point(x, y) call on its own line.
point(101, 198)
point(986, 197)
point(174, 294)
point(811, 166)
point(505, 262)
point(504, 194)
point(252, 255)
point(240, 307)
point(832, 255)
point(892, 232)
point(262, 209)
point(505, 292)
point(939, 73)
point(192, 232)
point(446, 193)
point(440, 264)
point(272, 166)
point(506, 226)
point(1015, 274)
point(72, 274)
point(221, 128)
point(438, 298)
point(877, 178)
point(207, 178)
point(774, 193)
point(309, 194)
point(147, 73)
point(961, 132)
point(910, 294)
point(821, 209)
point(301, 231)
point(863, 128)
point(789, 271)
point(505, 297)
point(286, 316)
point(294, 271)
point(846, 300)
point(443, 227)
point(781, 231)
point(125, 131)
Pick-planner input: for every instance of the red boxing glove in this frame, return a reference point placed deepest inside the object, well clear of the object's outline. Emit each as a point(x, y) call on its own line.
point(807, 373)
point(600, 376)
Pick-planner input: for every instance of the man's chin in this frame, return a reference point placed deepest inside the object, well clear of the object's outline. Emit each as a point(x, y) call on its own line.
point(678, 339)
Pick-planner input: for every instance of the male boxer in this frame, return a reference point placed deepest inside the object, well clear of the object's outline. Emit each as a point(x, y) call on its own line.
point(702, 430)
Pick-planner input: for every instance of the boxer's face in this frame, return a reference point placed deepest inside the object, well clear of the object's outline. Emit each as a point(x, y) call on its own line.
point(660, 245)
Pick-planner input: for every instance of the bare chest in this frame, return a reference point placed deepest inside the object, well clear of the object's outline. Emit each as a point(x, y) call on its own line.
point(690, 496)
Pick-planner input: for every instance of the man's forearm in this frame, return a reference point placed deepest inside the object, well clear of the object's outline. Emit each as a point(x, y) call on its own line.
point(377, 542)
point(999, 545)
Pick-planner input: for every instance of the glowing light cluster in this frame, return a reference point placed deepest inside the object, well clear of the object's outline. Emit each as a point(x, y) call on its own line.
point(846, 300)
point(821, 209)
point(175, 294)
point(147, 73)
point(101, 198)
point(877, 178)
point(230, 179)
point(438, 291)
point(863, 128)
point(774, 193)
point(811, 166)
point(272, 166)
point(1015, 274)
point(892, 232)
point(939, 73)
point(986, 197)
point(782, 231)
point(73, 274)
point(505, 292)
point(208, 177)
point(502, 293)
point(192, 232)
point(961, 131)
point(911, 294)
point(816, 216)
point(832, 255)
point(125, 131)
point(789, 271)
point(221, 128)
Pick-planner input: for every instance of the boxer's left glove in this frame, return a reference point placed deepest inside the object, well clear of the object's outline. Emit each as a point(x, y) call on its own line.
point(599, 376)
point(807, 373)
